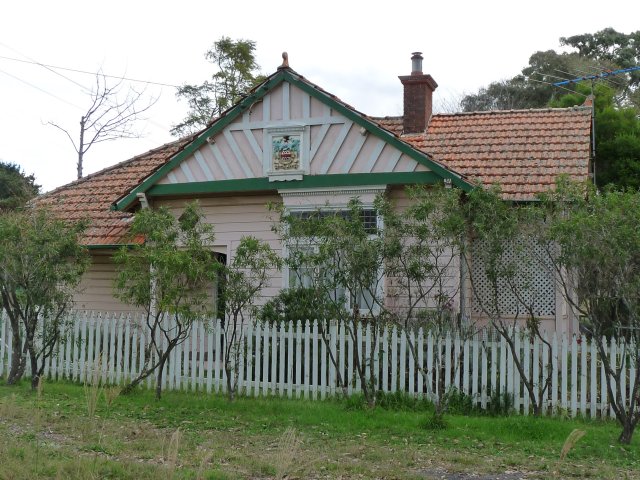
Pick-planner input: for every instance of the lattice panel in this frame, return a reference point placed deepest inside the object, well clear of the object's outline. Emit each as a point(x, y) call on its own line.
point(531, 285)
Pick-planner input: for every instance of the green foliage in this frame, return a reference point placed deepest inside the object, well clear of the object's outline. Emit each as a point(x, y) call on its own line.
point(41, 263)
point(532, 88)
point(500, 404)
point(394, 401)
point(617, 131)
point(598, 268)
point(609, 45)
point(339, 255)
point(236, 74)
point(250, 271)
point(16, 188)
point(170, 276)
point(436, 422)
point(171, 272)
point(298, 304)
point(459, 403)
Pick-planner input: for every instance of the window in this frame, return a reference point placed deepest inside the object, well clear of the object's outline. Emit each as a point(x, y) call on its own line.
point(307, 276)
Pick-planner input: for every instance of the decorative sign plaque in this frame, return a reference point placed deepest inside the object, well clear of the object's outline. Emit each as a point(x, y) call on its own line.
point(285, 152)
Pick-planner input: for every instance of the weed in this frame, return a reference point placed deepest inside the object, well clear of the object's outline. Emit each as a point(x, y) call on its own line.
point(435, 422)
point(500, 404)
point(459, 403)
point(395, 401)
point(172, 453)
point(287, 452)
point(93, 389)
point(571, 441)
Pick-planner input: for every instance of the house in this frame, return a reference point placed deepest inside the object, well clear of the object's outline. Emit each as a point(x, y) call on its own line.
point(290, 141)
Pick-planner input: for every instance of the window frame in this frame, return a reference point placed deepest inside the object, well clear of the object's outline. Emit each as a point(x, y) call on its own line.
point(365, 312)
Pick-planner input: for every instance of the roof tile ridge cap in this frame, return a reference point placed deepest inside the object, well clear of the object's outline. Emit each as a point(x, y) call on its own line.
point(91, 176)
point(512, 111)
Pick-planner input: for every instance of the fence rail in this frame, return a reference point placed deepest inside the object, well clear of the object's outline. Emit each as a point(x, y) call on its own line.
point(294, 360)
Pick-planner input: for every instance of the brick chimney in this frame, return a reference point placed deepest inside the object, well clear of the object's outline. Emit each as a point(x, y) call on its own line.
point(418, 97)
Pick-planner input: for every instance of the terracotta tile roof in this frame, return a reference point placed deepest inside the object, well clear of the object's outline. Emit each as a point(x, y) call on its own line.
point(91, 197)
point(522, 150)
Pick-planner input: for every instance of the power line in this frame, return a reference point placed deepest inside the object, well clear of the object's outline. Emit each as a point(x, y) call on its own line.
point(41, 89)
point(554, 85)
point(75, 70)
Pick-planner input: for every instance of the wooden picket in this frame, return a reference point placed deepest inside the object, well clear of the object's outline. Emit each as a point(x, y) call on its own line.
point(308, 359)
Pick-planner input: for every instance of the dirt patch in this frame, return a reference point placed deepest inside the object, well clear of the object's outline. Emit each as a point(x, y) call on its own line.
point(442, 474)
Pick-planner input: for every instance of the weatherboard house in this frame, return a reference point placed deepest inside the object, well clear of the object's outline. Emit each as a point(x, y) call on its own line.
point(289, 141)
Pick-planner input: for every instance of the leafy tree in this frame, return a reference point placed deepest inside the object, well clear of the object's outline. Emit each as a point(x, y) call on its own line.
point(243, 281)
point(598, 268)
point(594, 53)
point(236, 74)
point(339, 256)
point(506, 244)
point(41, 263)
point(617, 134)
point(16, 188)
point(170, 276)
point(422, 251)
point(609, 45)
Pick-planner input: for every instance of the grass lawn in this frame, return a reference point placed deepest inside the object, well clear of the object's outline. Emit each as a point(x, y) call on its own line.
point(186, 435)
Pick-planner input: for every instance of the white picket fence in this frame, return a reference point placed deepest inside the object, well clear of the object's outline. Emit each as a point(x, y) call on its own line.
point(293, 360)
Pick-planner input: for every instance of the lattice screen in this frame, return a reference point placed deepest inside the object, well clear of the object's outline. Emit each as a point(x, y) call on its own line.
point(532, 280)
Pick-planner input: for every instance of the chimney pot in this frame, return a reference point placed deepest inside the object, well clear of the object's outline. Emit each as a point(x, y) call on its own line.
point(416, 63)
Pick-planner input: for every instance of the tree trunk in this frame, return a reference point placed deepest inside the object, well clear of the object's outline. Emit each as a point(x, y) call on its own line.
point(81, 147)
point(627, 432)
point(231, 390)
point(163, 360)
point(35, 374)
point(18, 352)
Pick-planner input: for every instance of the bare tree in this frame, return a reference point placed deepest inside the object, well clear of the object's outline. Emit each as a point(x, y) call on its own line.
point(111, 115)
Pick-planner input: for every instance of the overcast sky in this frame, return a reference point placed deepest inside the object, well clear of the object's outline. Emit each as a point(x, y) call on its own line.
point(353, 49)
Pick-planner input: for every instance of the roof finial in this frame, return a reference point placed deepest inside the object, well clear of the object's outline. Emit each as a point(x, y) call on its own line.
point(285, 60)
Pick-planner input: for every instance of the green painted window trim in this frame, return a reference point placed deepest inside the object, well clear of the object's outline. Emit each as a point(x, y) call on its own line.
point(309, 181)
point(289, 76)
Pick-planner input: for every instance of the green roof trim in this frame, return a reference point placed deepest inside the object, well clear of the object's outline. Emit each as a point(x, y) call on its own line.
point(309, 181)
point(282, 75)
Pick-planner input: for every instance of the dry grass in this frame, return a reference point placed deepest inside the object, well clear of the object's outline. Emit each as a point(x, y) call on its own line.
point(571, 441)
point(172, 453)
point(287, 452)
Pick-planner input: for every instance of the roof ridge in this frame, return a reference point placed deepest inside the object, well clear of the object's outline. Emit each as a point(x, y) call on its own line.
point(520, 110)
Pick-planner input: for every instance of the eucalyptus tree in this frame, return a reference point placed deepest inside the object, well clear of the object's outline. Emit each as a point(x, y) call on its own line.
point(423, 243)
point(170, 277)
point(337, 257)
point(41, 264)
point(598, 267)
point(242, 281)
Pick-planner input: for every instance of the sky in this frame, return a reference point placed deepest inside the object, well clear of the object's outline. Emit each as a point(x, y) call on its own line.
point(353, 49)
